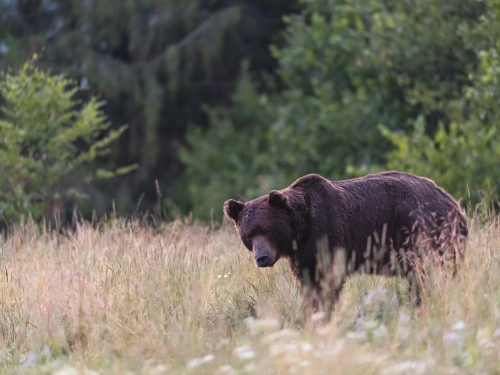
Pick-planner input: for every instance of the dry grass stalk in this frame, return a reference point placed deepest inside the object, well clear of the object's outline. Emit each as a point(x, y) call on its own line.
point(127, 298)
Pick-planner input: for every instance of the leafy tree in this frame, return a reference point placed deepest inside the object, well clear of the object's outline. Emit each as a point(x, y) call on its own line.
point(346, 68)
point(45, 134)
point(351, 65)
point(154, 62)
point(231, 158)
point(463, 157)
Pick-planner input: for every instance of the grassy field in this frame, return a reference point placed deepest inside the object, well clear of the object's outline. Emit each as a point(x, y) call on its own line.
point(187, 299)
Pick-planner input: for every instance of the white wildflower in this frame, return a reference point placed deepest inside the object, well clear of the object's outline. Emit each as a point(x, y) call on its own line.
point(307, 347)
point(268, 323)
point(192, 363)
point(375, 295)
point(73, 371)
point(403, 319)
point(370, 325)
point(207, 358)
point(244, 352)
point(320, 315)
point(381, 332)
point(282, 335)
point(258, 326)
point(66, 371)
point(459, 326)
point(161, 368)
point(407, 367)
point(279, 349)
point(226, 369)
point(195, 362)
point(249, 322)
point(359, 336)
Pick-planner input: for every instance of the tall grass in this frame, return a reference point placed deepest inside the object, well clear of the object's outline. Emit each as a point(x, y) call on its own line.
point(187, 299)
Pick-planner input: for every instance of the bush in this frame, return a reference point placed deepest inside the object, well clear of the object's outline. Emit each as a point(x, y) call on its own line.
point(45, 134)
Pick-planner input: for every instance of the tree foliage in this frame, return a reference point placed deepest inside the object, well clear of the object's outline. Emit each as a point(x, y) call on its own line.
point(351, 65)
point(45, 134)
point(230, 158)
point(154, 62)
point(356, 86)
point(463, 156)
point(347, 69)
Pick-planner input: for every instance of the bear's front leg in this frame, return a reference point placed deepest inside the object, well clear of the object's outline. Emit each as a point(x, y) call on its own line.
point(322, 296)
point(331, 273)
point(329, 292)
point(320, 290)
point(311, 298)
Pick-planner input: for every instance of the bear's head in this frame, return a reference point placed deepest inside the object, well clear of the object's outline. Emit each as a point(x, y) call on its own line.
point(269, 226)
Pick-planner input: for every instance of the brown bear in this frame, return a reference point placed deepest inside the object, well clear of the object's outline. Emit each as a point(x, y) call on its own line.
point(328, 229)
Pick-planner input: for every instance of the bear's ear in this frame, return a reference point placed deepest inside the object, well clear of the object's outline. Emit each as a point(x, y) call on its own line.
point(233, 208)
point(277, 199)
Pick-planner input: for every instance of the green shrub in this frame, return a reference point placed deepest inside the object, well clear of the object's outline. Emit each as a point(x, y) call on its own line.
point(41, 124)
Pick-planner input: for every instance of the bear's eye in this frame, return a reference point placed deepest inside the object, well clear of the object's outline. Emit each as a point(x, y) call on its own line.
point(267, 231)
point(247, 241)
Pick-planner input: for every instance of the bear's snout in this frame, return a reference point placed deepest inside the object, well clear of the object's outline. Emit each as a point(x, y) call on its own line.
point(263, 252)
point(262, 260)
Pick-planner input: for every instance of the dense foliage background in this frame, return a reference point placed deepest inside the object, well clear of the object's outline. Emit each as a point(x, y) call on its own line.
point(234, 98)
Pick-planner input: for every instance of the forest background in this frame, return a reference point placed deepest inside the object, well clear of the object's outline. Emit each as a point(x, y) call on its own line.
point(230, 99)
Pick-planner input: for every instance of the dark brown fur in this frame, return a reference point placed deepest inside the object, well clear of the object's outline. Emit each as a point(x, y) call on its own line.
point(368, 220)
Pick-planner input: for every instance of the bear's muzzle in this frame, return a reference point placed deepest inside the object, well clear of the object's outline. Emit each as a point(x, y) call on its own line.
point(265, 255)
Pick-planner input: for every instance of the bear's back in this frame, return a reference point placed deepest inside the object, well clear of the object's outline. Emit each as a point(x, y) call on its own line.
point(404, 192)
point(361, 206)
